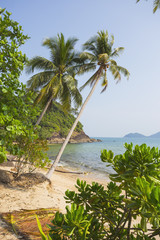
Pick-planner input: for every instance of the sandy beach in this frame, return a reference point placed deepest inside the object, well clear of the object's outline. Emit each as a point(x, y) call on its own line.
point(43, 195)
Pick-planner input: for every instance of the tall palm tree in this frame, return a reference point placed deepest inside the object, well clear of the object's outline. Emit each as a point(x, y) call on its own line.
point(99, 56)
point(156, 5)
point(57, 77)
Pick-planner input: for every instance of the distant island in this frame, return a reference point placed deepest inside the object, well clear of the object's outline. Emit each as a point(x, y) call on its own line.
point(138, 135)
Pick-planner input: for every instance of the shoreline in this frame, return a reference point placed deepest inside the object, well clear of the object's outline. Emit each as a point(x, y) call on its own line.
point(53, 194)
point(85, 172)
point(43, 195)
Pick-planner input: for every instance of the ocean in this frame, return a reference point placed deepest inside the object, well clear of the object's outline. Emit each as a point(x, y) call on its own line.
point(85, 157)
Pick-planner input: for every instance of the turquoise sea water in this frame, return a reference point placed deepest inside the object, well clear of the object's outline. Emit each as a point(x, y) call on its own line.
point(85, 157)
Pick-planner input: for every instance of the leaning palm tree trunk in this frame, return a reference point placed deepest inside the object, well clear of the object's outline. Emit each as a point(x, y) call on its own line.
point(44, 110)
point(54, 165)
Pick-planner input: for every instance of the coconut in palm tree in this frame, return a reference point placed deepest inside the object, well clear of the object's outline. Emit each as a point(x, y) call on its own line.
point(99, 55)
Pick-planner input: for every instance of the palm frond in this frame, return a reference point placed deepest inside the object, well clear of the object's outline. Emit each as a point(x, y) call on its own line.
point(113, 62)
point(39, 63)
point(117, 70)
point(71, 84)
point(92, 79)
point(90, 45)
point(57, 90)
point(84, 63)
point(39, 80)
point(156, 5)
point(124, 71)
point(40, 96)
point(120, 69)
point(112, 40)
point(71, 70)
point(117, 51)
point(77, 98)
point(65, 98)
point(86, 68)
point(48, 89)
point(70, 43)
point(88, 82)
point(51, 84)
point(104, 82)
point(87, 56)
point(43, 99)
point(70, 81)
point(70, 93)
point(50, 43)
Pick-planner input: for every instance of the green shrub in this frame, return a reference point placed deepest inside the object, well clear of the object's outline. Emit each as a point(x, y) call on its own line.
point(97, 212)
point(17, 134)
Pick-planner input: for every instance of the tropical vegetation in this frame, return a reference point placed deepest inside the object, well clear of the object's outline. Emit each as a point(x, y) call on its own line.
point(127, 208)
point(98, 55)
point(96, 211)
point(57, 121)
point(56, 79)
point(17, 135)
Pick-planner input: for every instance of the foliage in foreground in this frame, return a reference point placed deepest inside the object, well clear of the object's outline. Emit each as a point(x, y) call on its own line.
point(132, 195)
point(17, 134)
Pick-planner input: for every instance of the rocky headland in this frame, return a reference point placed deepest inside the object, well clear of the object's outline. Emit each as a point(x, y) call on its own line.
point(77, 137)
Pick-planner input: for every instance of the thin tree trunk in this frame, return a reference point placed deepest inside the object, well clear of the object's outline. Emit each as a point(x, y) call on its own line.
point(54, 165)
point(129, 225)
point(44, 110)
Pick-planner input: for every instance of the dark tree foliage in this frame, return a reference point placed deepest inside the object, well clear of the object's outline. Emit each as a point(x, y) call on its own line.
point(56, 120)
point(17, 134)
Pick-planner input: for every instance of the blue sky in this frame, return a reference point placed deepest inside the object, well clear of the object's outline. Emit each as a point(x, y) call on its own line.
point(130, 106)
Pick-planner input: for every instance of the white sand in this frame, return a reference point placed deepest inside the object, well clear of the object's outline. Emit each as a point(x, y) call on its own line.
point(40, 196)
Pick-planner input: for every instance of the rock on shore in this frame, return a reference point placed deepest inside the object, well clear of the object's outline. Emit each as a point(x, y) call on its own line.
point(77, 137)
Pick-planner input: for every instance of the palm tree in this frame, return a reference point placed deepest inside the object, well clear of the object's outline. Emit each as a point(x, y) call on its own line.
point(99, 54)
point(57, 77)
point(156, 5)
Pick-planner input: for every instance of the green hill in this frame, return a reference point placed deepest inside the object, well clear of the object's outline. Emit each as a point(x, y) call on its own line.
point(57, 121)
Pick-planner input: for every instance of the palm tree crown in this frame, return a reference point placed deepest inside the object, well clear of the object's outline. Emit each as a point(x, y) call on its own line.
point(56, 79)
point(100, 53)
